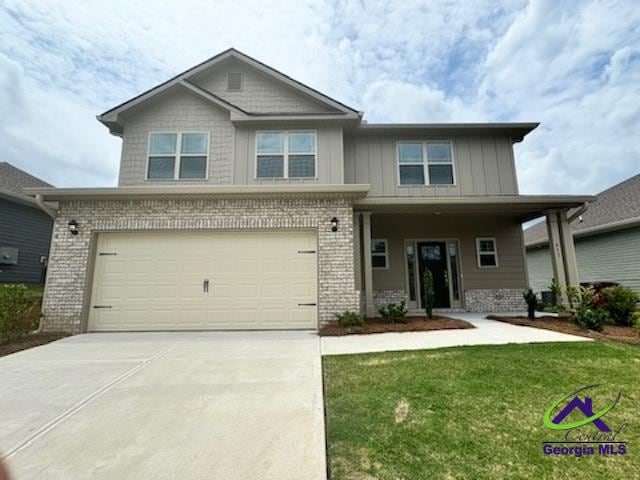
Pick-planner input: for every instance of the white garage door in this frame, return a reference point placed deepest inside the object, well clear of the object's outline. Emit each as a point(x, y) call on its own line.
point(204, 281)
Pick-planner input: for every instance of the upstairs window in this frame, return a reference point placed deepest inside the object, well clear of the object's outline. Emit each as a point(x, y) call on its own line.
point(289, 154)
point(425, 163)
point(178, 156)
point(487, 252)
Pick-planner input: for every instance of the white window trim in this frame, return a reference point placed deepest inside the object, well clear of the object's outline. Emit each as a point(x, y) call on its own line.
point(286, 154)
point(385, 254)
point(425, 163)
point(177, 155)
point(494, 252)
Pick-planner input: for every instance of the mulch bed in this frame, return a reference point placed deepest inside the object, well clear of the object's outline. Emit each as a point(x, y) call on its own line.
point(29, 341)
point(614, 333)
point(414, 324)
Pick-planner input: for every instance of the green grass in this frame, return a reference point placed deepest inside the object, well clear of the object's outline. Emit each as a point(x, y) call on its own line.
point(474, 412)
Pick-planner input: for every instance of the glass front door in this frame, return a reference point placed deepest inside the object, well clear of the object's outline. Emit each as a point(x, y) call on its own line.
point(433, 256)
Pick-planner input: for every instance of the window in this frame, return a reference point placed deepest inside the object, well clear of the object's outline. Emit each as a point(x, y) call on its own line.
point(286, 154)
point(234, 81)
point(379, 256)
point(437, 157)
point(487, 252)
point(178, 156)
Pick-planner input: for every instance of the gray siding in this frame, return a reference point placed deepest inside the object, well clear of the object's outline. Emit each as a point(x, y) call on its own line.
point(396, 228)
point(483, 166)
point(177, 111)
point(612, 256)
point(330, 164)
point(259, 94)
point(28, 229)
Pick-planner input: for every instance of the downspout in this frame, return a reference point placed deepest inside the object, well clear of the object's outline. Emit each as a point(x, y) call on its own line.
point(52, 212)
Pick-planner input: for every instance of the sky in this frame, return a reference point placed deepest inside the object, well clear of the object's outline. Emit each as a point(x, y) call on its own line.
point(572, 65)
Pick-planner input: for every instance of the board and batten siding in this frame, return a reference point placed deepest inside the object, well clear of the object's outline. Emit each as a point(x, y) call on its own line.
point(330, 163)
point(608, 257)
point(396, 228)
point(484, 165)
point(29, 230)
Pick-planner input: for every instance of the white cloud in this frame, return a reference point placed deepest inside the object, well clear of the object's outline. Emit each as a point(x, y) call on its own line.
point(574, 66)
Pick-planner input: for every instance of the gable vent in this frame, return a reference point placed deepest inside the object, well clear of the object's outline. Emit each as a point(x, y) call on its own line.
point(234, 81)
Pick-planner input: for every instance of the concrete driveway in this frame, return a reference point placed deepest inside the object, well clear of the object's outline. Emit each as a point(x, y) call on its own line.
point(201, 405)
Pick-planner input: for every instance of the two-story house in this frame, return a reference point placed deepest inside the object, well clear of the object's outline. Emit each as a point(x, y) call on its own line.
point(247, 200)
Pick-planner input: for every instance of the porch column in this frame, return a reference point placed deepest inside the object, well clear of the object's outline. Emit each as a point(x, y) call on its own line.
point(555, 249)
point(568, 250)
point(368, 273)
point(357, 250)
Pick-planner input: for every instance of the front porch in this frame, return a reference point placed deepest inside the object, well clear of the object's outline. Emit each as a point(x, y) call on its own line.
point(473, 248)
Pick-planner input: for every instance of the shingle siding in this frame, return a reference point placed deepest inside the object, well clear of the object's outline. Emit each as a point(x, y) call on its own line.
point(71, 255)
point(612, 256)
point(28, 229)
point(179, 111)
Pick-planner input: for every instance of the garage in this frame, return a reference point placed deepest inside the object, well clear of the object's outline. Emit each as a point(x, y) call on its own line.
point(204, 280)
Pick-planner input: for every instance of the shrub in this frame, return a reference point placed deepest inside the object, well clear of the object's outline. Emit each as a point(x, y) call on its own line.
point(18, 313)
point(588, 313)
point(556, 292)
point(573, 295)
point(429, 299)
point(636, 322)
point(532, 303)
point(349, 319)
point(620, 303)
point(394, 313)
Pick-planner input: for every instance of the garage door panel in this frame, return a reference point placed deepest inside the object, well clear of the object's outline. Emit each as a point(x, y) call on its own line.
point(155, 280)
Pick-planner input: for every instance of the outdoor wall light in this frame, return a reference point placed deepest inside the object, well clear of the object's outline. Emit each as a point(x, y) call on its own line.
point(73, 227)
point(334, 224)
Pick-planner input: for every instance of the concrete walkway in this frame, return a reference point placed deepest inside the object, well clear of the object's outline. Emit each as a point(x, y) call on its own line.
point(198, 405)
point(487, 332)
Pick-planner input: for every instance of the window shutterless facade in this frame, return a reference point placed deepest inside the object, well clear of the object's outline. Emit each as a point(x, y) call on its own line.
point(178, 156)
point(379, 253)
point(286, 154)
point(425, 163)
point(487, 252)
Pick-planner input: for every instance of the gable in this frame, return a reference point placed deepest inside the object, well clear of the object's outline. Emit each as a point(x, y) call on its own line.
point(258, 93)
point(266, 93)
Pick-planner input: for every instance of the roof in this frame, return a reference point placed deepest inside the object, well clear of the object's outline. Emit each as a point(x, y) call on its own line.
point(12, 182)
point(517, 131)
point(199, 191)
point(614, 208)
point(520, 207)
point(110, 117)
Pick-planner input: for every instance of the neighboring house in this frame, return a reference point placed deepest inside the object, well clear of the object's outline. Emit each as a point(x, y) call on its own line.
point(247, 200)
point(25, 230)
point(607, 240)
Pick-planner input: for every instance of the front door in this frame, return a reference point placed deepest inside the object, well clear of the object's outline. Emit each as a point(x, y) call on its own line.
point(433, 256)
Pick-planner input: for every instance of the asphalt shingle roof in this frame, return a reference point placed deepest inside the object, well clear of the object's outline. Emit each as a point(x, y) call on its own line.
point(14, 180)
point(618, 203)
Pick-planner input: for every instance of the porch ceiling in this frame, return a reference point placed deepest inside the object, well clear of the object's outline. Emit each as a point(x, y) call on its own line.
point(520, 207)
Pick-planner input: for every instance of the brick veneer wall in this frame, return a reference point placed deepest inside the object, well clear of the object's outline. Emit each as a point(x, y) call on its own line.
point(494, 300)
point(67, 274)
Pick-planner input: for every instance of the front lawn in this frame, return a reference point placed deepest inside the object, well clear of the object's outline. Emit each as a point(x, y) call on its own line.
point(474, 412)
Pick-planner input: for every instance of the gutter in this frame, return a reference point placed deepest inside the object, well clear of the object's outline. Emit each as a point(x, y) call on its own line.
point(49, 210)
point(577, 213)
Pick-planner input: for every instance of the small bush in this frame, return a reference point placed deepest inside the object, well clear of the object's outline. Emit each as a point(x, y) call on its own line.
point(18, 312)
point(588, 313)
point(429, 299)
point(620, 303)
point(394, 313)
point(349, 319)
point(532, 303)
point(636, 322)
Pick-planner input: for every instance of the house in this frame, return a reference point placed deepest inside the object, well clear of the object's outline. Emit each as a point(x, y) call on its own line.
point(247, 200)
point(25, 230)
point(607, 240)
